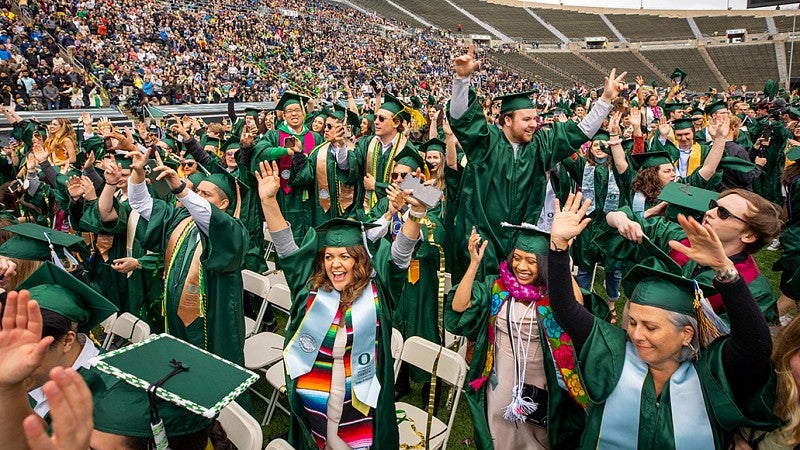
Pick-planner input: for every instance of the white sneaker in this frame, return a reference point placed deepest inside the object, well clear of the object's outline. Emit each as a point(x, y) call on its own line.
point(775, 245)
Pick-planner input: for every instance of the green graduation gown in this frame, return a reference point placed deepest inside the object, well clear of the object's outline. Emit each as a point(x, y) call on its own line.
point(565, 416)
point(604, 352)
point(381, 164)
point(693, 178)
point(498, 186)
point(298, 268)
point(306, 179)
point(220, 329)
point(789, 261)
point(294, 203)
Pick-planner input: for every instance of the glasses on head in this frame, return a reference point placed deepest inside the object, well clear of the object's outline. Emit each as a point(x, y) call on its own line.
point(723, 212)
point(398, 175)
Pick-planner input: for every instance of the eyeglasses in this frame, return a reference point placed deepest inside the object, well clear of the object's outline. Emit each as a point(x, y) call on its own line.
point(293, 111)
point(723, 212)
point(398, 175)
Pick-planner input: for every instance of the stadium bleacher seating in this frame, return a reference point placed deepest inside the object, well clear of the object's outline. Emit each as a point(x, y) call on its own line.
point(575, 25)
point(735, 61)
point(700, 76)
point(533, 69)
point(622, 60)
point(649, 27)
point(784, 23)
point(573, 65)
point(717, 25)
point(514, 22)
point(442, 15)
point(384, 9)
point(795, 60)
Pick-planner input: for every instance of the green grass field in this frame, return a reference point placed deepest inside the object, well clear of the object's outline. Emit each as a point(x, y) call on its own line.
point(461, 434)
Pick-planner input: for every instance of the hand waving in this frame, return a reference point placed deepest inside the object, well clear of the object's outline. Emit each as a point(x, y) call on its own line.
point(22, 347)
point(466, 64)
point(569, 221)
point(269, 180)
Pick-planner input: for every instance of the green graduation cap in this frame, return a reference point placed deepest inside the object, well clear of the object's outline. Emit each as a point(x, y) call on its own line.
point(529, 238)
point(340, 232)
point(165, 383)
point(514, 102)
point(665, 290)
point(292, 98)
point(340, 113)
point(651, 159)
point(416, 102)
point(231, 143)
point(672, 107)
point(794, 113)
point(682, 124)
point(229, 185)
point(58, 291)
point(686, 199)
point(793, 154)
point(678, 76)
point(32, 241)
point(697, 113)
point(434, 144)
point(410, 157)
point(716, 106)
point(393, 104)
point(736, 164)
point(196, 178)
point(250, 111)
point(601, 135)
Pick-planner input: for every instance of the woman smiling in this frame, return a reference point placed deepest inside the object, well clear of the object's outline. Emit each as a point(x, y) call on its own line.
point(340, 373)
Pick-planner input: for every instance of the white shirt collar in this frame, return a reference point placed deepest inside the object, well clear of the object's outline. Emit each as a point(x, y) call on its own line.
point(88, 352)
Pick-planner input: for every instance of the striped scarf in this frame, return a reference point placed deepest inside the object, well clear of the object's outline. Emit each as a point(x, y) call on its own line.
point(314, 389)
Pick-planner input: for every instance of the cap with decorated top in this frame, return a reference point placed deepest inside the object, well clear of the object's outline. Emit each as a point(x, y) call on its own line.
point(514, 102)
point(57, 291)
point(687, 200)
point(32, 241)
point(664, 290)
point(678, 76)
point(164, 387)
point(341, 232)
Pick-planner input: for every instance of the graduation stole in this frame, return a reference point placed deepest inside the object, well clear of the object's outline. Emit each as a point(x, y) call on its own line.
point(373, 153)
point(192, 299)
point(695, 160)
point(285, 162)
point(691, 426)
point(309, 358)
point(588, 188)
point(344, 193)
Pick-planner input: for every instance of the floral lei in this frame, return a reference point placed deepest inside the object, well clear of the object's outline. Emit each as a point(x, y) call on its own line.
point(559, 342)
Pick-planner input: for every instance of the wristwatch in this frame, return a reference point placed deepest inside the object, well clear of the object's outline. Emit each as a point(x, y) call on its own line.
point(726, 276)
point(180, 188)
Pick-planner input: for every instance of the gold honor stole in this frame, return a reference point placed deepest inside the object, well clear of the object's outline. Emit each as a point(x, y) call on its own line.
point(190, 302)
point(695, 159)
point(344, 192)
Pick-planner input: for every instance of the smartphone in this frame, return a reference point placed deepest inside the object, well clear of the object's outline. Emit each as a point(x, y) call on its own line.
point(289, 142)
point(348, 131)
point(160, 186)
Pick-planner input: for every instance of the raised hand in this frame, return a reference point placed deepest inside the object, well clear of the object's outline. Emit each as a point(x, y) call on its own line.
point(613, 124)
point(269, 180)
point(89, 161)
point(664, 128)
point(39, 152)
point(22, 347)
point(722, 126)
point(113, 174)
point(640, 80)
point(8, 269)
point(706, 248)
point(88, 188)
point(75, 188)
point(613, 85)
point(475, 247)
point(465, 65)
point(70, 402)
point(569, 221)
point(636, 117)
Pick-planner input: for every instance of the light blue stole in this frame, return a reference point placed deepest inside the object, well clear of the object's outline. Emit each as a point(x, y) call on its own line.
point(588, 188)
point(619, 429)
point(301, 352)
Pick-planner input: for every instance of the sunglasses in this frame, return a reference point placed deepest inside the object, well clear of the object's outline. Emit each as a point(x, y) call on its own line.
point(723, 212)
point(188, 164)
point(381, 119)
point(329, 126)
point(398, 176)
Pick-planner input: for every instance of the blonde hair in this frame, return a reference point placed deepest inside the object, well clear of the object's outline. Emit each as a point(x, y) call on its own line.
point(787, 401)
point(25, 267)
point(55, 142)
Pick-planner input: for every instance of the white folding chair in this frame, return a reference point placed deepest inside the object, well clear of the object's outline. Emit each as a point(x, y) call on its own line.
point(275, 376)
point(108, 324)
point(452, 369)
point(268, 241)
point(242, 429)
point(258, 285)
point(278, 444)
point(397, 348)
point(128, 327)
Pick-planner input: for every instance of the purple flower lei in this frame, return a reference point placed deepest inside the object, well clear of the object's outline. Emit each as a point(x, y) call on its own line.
point(524, 293)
